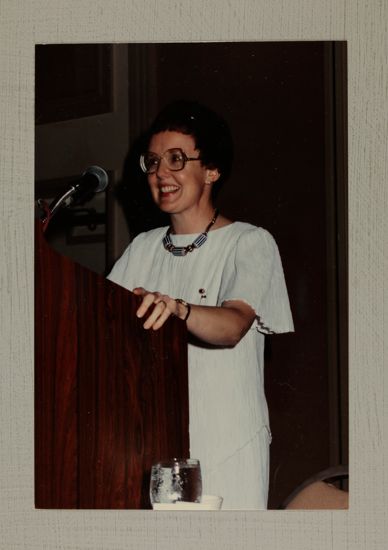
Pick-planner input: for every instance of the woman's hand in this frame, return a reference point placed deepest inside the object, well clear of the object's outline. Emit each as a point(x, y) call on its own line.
point(220, 326)
point(163, 307)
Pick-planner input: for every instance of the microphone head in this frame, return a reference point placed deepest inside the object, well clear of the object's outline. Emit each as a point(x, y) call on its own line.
point(99, 175)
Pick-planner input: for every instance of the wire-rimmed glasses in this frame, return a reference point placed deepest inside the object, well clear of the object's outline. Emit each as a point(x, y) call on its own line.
point(175, 160)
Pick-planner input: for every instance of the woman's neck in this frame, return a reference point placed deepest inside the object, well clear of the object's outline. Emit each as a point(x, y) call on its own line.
point(181, 226)
point(190, 222)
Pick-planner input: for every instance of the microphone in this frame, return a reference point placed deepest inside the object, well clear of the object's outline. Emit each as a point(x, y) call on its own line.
point(93, 180)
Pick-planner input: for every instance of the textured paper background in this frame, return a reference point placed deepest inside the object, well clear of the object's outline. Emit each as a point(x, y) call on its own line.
point(364, 25)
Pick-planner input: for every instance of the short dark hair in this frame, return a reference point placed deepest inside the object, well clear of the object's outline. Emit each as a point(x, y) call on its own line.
point(209, 130)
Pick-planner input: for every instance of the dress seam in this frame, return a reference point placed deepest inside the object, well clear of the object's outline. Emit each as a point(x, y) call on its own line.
point(263, 427)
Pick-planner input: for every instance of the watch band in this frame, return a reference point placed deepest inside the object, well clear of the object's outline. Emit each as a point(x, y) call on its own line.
point(184, 303)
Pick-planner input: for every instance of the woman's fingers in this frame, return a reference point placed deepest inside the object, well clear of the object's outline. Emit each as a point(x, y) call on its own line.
point(139, 290)
point(149, 298)
point(158, 316)
point(163, 307)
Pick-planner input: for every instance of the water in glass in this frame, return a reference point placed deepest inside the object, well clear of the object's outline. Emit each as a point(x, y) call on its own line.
point(176, 480)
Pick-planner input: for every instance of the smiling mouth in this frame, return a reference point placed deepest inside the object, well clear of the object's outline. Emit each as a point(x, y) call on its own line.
point(167, 189)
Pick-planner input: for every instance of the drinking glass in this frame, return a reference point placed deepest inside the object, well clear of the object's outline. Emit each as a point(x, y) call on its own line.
point(175, 480)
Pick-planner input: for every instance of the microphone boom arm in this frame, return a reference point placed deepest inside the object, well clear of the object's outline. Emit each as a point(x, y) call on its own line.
point(93, 180)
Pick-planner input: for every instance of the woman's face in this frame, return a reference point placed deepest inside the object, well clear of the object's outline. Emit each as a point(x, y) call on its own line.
point(180, 191)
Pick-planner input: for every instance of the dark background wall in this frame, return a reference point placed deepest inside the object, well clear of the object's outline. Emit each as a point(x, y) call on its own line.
point(286, 105)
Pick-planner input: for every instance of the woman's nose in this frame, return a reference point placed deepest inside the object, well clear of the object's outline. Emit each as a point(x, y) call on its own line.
point(162, 169)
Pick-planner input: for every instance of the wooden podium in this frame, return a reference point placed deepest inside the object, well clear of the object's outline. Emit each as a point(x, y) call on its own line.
point(110, 397)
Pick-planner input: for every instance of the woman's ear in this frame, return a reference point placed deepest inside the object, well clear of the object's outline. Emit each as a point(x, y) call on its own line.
point(212, 175)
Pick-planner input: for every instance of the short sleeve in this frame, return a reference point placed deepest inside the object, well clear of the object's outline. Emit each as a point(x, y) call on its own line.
point(254, 274)
point(119, 271)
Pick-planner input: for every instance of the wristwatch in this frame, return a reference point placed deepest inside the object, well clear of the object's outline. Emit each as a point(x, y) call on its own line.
point(184, 303)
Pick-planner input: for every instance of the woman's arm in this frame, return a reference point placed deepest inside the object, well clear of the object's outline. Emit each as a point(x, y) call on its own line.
point(220, 326)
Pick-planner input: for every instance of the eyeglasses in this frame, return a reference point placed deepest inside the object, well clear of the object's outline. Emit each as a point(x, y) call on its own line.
point(175, 160)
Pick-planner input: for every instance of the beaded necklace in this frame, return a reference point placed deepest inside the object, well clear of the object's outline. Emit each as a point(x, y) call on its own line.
point(198, 241)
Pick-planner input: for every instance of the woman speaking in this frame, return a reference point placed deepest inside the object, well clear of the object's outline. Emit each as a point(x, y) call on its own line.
point(225, 280)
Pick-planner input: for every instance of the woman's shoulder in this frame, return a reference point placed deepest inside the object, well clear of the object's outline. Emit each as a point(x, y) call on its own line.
point(250, 231)
point(251, 240)
point(144, 241)
point(149, 237)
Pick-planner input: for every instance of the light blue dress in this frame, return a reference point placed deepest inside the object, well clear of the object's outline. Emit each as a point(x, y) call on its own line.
point(229, 424)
